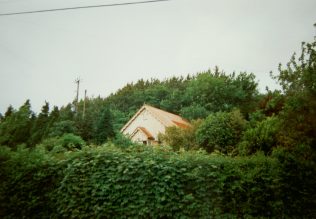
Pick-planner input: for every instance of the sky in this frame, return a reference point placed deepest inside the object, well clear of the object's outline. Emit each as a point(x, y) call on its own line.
point(42, 54)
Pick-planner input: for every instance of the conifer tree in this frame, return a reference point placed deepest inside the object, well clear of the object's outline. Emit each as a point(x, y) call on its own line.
point(9, 112)
point(15, 129)
point(40, 125)
point(104, 127)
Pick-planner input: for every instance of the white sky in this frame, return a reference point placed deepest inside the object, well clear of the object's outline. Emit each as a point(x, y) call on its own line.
point(42, 54)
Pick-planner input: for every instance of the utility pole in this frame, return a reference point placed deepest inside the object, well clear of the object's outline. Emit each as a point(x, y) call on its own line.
point(315, 32)
point(84, 104)
point(77, 81)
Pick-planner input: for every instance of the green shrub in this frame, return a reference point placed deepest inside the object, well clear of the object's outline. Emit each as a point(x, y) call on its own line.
point(28, 179)
point(263, 137)
point(298, 179)
point(122, 141)
point(153, 182)
point(67, 142)
point(71, 141)
point(181, 138)
point(221, 131)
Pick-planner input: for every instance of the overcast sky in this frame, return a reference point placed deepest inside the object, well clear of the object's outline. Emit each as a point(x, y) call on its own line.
point(42, 54)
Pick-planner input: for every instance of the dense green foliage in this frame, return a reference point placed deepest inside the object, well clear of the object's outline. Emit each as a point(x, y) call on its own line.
point(96, 120)
point(146, 182)
point(179, 138)
point(104, 127)
point(263, 137)
point(221, 131)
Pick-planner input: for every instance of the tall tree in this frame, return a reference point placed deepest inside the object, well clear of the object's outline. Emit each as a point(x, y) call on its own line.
point(298, 81)
point(9, 112)
point(104, 127)
point(40, 125)
point(15, 129)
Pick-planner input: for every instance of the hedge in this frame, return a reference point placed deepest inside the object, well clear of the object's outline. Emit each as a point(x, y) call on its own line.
point(107, 182)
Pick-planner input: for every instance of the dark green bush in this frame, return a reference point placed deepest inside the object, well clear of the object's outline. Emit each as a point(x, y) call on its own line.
point(144, 182)
point(221, 131)
point(298, 180)
point(161, 184)
point(263, 137)
point(28, 179)
point(67, 142)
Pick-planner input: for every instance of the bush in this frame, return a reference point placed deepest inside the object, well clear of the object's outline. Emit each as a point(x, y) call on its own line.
point(153, 182)
point(298, 179)
point(263, 137)
point(71, 141)
point(67, 142)
point(28, 179)
point(184, 138)
point(122, 141)
point(221, 131)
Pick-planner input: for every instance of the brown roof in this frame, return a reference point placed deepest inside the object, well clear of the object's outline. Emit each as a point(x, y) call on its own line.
point(166, 118)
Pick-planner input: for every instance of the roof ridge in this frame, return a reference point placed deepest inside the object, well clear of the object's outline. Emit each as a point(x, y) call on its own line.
point(163, 111)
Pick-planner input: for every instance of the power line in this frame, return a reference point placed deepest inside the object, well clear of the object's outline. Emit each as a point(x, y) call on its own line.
point(81, 7)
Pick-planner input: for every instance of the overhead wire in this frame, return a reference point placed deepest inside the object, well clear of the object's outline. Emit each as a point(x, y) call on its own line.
point(81, 7)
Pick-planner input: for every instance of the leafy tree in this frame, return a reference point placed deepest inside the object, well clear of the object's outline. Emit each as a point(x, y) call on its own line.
point(298, 81)
point(61, 122)
point(221, 131)
point(216, 91)
point(272, 103)
point(194, 111)
point(62, 127)
point(247, 95)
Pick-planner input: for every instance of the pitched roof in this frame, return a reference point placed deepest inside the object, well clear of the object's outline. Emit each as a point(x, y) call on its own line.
point(143, 130)
point(166, 118)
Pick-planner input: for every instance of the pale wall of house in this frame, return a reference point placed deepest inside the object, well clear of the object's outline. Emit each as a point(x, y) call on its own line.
point(139, 137)
point(147, 120)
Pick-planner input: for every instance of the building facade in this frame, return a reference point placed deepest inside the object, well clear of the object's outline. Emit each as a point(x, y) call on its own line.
point(145, 126)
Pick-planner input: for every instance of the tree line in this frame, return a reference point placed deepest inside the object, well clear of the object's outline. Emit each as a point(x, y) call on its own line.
point(227, 112)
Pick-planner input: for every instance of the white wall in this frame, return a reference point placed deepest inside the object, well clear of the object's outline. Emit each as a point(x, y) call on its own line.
point(147, 120)
point(139, 137)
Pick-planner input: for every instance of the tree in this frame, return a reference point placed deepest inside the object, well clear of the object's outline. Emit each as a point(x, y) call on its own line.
point(66, 113)
point(298, 81)
point(104, 127)
point(263, 137)
point(62, 127)
point(177, 137)
point(194, 111)
point(9, 112)
point(216, 91)
point(40, 125)
point(221, 131)
point(15, 129)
